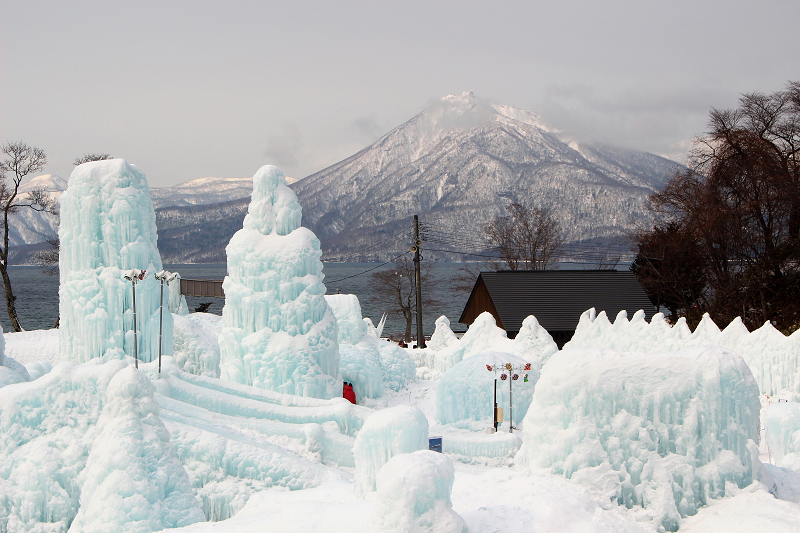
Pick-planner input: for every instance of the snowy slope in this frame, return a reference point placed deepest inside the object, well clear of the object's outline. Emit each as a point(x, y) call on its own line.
point(460, 162)
point(203, 191)
point(29, 226)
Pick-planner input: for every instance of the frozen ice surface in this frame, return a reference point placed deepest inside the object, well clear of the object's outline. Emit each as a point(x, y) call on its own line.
point(773, 358)
point(279, 333)
point(361, 366)
point(386, 433)
point(782, 422)
point(533, 343)
point(347, 311)
point(414, 495)
point(442, 336)
point(398, 367)
point(9, 377)
point(177, 301)
point(664, 431)
point(133, 480)
point(196, 343)
point(108, 227)
point(465, 394)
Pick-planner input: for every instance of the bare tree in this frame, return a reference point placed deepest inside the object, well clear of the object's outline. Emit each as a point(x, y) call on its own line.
point(20, 161)
point(85, 158)
point(528, 239)
point(395, 289)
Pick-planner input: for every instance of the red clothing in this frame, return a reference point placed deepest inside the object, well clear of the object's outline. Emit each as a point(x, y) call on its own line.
point(349, 394)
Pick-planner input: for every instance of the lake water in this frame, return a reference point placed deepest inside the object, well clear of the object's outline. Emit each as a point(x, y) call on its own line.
point(37, 294)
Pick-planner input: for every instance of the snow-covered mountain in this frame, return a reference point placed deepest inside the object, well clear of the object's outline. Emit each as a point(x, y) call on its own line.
point(29, 229)
point(459, 163)
point(204, 191)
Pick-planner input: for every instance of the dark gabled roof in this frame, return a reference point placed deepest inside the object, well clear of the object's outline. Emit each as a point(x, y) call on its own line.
point(556, 297)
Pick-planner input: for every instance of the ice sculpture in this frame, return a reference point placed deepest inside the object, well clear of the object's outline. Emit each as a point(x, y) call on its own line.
point(133, 479)
point(386, 433)
point(782, 421)
point(664, 431)
point(442, 336)
point(278, 331)
point(367, 362)
point(773, 357)
point(108, 227)
point(414, 495)
point(465, 393)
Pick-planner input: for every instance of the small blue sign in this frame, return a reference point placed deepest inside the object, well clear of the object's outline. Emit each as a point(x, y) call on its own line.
point(435, 444)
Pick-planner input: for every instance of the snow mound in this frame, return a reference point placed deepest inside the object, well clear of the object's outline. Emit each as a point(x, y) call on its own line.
point(108, 227)
point(35, 346)
point(773, 358)
point(386, 433)
point(782, 421)
point(278, 331)
point(663, 431)
point(133, 480)
point(465, 393)
point(414, 495)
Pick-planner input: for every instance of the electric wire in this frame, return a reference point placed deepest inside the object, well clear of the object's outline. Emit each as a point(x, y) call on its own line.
point(370, 270)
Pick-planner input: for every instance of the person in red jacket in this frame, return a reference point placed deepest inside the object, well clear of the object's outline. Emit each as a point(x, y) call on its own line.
point(349, 393)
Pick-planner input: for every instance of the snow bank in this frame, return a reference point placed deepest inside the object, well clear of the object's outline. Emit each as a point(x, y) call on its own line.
point(392, 431)
point(35, 346)
point(532, 343)
point(465, 393)
point(278, 331)
point(782, 422)
point(773, 358)
point(414, 495)
point(108, 227)
point(664, 431)
point(133, 480)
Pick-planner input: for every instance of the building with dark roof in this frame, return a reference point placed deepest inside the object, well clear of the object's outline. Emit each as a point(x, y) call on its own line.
point(555, 297)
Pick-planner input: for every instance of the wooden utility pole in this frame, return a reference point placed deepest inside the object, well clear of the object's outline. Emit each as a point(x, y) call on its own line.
point(418, 279)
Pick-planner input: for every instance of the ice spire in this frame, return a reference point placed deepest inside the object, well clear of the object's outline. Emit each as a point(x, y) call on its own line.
point(278, 331)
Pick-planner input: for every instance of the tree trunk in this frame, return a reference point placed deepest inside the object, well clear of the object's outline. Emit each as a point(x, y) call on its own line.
point(10, 299)
point(408, 329)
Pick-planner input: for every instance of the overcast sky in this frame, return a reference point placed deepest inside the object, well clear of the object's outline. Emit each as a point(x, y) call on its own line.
point(189, 89)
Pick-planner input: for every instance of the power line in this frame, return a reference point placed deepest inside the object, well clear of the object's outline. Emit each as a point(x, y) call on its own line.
point(370, 270)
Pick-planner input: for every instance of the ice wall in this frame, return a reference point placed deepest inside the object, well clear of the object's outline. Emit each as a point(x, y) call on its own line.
point(782, 422)
point(414, 495)
point(133, 480)
point(773, 358)
point(465, 393)
point(108, 227)
point(278, 331)
point(442, 336)
point(196, 343)
point(386, 433)
point(347, 310)
point(664, 431)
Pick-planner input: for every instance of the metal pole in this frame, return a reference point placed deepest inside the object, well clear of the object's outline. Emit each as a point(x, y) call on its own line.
point(495, 401)
point(135, 330)
point(160, 324)
point(418, 279)
point(510, 411)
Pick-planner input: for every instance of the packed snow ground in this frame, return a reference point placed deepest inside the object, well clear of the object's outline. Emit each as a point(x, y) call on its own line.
point(254, 458)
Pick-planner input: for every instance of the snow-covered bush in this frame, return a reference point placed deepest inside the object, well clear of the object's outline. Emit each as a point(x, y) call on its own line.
point(465, 393)
point(414, 495)
point(386, 433)
point(278, 331)
point(108, 227)
point(664, 431)
point(782, 421)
